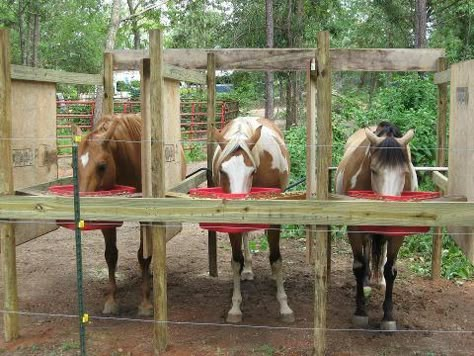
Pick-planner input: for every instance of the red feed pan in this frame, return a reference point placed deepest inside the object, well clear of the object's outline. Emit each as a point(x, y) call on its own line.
point(393, 230)
point(68, 191)
point(218, 193)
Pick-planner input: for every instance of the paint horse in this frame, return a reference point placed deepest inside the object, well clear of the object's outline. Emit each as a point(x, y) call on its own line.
point(378, 159)
point(109, 155)
point(252, 152)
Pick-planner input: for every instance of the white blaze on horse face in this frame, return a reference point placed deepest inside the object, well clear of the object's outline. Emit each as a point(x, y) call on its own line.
point(239, 174)
point(85, 159)
point(389, 181)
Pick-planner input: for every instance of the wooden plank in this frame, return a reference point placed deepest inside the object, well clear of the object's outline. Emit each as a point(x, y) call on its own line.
point(158, 161)
point(440, 161)
point(313, 212)
point(211, 146)
point(442, 77)
point(376, 59)
point(189, 183)
point(7, 238)
point(184, 75)
point(440, 180)
point(322, 246)
point(310, 151)
point(108, 82)
point(34, 74)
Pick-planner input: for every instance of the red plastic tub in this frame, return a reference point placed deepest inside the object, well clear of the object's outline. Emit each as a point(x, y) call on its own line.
point(68, 191)
point(393, 230)
point(218, 193)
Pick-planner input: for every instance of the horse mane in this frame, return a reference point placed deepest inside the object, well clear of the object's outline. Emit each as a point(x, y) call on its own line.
point(127, 129)
point(239, 134)
point(389, 150)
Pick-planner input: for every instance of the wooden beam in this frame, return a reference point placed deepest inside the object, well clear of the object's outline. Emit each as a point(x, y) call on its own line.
point(322, 247)
point(184, 75)
point(7, 238)
point(19, 72)
point(108, 82)
point(385, 59)
point(441, 137)
point(443, 76)
point(211, 146)
point(310, 151)
point(441, 181)
point(158, 160)
point(189, 183)
point(311, 212)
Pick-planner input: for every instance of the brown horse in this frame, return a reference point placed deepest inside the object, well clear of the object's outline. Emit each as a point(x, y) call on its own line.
point(109, 155)
point(378, 159)
point(252, 152)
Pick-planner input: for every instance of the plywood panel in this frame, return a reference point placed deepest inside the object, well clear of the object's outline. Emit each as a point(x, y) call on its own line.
point(33, 144)
point(34, 133)
point(461, 146)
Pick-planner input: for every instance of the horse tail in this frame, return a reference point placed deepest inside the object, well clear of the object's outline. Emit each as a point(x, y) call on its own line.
point(377, 256)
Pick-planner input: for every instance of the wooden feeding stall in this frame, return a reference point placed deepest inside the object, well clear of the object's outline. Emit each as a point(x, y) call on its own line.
point(317, 211)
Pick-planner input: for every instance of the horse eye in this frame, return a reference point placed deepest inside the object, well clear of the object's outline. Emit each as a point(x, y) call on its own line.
point(101, 167)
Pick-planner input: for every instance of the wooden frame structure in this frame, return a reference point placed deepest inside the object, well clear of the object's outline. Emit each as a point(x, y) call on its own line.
point(319, 210)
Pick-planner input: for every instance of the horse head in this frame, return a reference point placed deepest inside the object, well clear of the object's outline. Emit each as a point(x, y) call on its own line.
point(235, 166)
point(96, 164)
point(390, 163)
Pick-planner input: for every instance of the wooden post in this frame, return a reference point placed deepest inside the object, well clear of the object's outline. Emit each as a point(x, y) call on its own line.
point(211, 122)
point(158, 231)
point(108, 105)
point(7, 238)
point(145, 230)
point(440, 162)
point(310, 151)
point(323, 161)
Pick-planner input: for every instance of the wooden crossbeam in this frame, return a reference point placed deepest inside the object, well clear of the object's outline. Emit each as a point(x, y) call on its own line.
point(311, 212)
point(19, 72)
point(281, 59)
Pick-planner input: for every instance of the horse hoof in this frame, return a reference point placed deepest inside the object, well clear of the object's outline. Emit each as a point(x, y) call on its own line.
point(388, 325)
point(110, 309)
point(360, 321)
point(246, 276)
point(367, 292)
point(234, 318)
point(288, 317)
point(145, 310)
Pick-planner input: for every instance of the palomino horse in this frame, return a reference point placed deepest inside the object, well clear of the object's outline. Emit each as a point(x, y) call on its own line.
point(109, 155)
point(378, 159)
point(252, 152)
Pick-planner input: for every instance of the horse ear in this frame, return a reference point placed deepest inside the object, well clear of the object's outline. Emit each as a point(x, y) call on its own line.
point(109, 133)
point(406, 138)
point(76, 130)
point(218, 138)
point(373, 138)
point(255, 137)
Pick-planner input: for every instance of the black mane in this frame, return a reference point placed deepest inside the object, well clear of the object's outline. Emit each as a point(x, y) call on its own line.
point(389, 150)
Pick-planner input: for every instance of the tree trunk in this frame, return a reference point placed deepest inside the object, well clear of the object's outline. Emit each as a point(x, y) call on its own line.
point(109, 45)
point(269, 75)
point(135, 29)
point(420, 24)
point(36, 41)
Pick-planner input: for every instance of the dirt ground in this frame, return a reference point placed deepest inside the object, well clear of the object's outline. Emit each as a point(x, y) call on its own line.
point(435, 318)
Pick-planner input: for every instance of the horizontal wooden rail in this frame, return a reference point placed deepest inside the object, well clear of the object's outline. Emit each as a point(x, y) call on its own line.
point(441, 181)
point(347, 212)
point(281, 59)
point(19, 72)
point(442, 77)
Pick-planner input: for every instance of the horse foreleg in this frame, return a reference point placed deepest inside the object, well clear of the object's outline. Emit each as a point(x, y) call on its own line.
point(247, 273)
point(146, 307)
point(390, 273)
point(273, 235)
point(111, 256)
point(235, 314)
point(359, 267)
